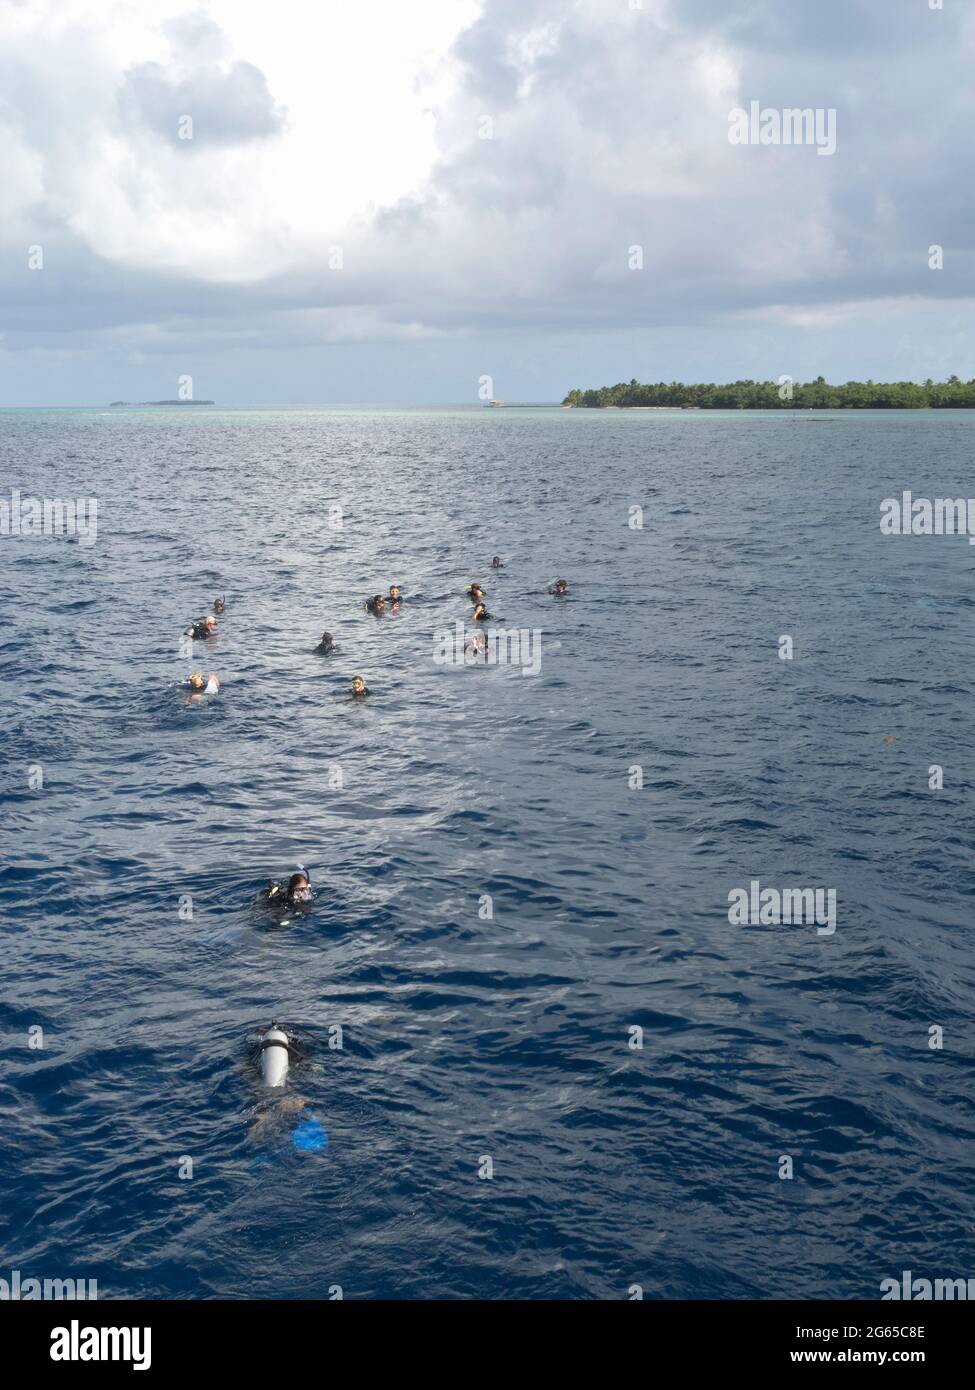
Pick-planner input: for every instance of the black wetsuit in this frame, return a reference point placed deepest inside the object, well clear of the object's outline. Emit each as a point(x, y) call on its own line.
point(199, 631)
point(277, 895)
point(324, 649)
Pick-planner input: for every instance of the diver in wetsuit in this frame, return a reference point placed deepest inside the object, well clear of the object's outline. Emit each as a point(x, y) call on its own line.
point(220, 605)
point(480, 614)
point(359, 688)
point(297, 891)
point(199, 686)
point(376, 605)
point(496, 563)
point(561, 588)
point(205, 627)
point(326, 646)
point(475, 647)
point(394, 598)
point(475, 592)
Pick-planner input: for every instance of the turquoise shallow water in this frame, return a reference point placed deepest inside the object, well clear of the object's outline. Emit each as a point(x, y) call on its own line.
point(465, 1037)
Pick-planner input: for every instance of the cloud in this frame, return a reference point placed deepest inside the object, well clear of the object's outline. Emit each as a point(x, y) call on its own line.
point(541, 142)
point(227, 102)
point(226, 107)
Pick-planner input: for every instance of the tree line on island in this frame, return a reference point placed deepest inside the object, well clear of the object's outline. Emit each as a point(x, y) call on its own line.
point(786, 395)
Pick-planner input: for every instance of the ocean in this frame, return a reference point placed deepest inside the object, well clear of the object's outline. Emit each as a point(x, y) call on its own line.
point(542, 1061)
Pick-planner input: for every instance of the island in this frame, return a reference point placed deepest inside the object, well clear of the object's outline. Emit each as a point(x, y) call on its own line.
point(141, 404)
point(779, 395)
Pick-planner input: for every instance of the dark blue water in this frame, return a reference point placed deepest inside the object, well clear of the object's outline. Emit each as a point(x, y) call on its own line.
point(465, 1037)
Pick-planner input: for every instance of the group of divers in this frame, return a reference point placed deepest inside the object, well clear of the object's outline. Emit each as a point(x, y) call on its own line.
point(293, 897)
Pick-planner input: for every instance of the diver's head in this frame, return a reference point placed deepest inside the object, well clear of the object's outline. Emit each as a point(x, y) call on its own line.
point(196, 681)
point(218, 605)
point(378, 601)
point(476, 591)
point(211, 623)
point(496, 562)
point(480, 611)
point(358, 686)
point(299, 888)
point(561, 585)
point(394, 591)
point(326, 639)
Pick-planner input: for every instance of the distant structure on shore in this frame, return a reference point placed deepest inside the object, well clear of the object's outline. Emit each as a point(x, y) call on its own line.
point(784, 394)
point(144, 403)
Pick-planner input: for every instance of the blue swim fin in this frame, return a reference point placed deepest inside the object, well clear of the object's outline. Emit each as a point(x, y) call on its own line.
point(309, 1136)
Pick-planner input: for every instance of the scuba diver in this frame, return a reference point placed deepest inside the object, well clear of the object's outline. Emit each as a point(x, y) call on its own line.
point(202, 629)
point(326, 646)
point(394, 598)
point(561, 588)
point(359, 688)
point(475, 592)
point(376, 605)
point(496, 563)
point(199, 686)
point(274, 1050)
point(220, 605)
point(290, 897)
point(475, 647)
point(480, 614)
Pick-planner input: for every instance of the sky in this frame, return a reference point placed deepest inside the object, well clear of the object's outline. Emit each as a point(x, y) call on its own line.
point(364, 201)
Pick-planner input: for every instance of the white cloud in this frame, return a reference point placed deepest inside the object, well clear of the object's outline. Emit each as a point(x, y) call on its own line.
point(360, 125)
point(94, 95)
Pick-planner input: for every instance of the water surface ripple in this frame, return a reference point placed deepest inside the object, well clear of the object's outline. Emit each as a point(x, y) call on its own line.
point(506, 1037)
